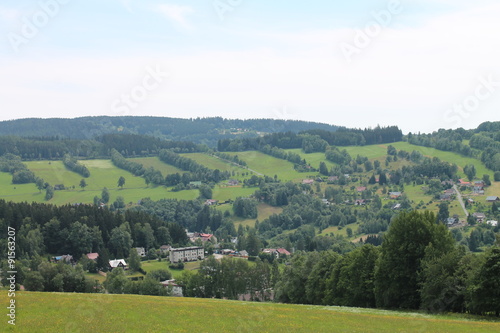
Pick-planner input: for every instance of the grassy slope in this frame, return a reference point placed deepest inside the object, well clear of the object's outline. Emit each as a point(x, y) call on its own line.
point(155, 162)
point(270, 166)
point(212, 162)
point(57, 312)
point(263, 212)
point(102, 174)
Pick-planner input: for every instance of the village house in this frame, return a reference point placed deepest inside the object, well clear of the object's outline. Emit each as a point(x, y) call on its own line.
point(211, 202)
point(492, 198)
point(462, 182)
point(307, 181)
point(360, 202)
point(361, 188)
point(493, 223)
point(232, 182)
point(92, 256)
point(394, 195)
point(208, 238)
point(191, 253)
point(243, 254)
point(277, 252)
point(141, 251)
point(164, 249)
point(68, 259)
point(176, 289)
point(479, 217)
point(118, 263)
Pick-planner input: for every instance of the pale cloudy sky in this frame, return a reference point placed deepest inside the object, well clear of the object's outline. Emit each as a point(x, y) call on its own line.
point(418, 64)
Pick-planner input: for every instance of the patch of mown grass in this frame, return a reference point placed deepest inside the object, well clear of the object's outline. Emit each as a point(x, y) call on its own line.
point(71, 312)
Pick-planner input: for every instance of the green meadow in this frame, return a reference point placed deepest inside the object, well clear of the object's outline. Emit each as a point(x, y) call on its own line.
point(72, 312)
point(313, 158)
point(102, 174)
point(214, 163)
point(270, 166)
point(157, 164)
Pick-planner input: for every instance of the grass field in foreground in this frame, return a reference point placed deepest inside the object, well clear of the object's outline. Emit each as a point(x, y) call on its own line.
point(59, 312)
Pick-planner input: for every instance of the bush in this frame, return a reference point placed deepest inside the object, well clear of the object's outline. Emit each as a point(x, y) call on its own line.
point(179, 265)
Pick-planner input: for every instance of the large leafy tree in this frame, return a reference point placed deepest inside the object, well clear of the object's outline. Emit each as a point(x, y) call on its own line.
point(404, 247)
point(486, 293)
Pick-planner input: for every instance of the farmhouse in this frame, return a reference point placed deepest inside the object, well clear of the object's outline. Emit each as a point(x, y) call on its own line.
point(211, 202)
point(361, 188)
point(192, 253)
point(479, 217)
point(308, 181)
point(118, 263)
point(232, 182)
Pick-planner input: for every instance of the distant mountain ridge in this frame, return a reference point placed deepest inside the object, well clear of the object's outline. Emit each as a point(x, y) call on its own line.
point(199, 130)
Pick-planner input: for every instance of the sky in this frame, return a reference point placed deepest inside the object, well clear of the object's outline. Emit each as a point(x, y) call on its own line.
point(419, 64)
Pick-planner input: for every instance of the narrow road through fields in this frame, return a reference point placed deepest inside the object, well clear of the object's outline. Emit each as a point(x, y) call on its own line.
point(460, 200)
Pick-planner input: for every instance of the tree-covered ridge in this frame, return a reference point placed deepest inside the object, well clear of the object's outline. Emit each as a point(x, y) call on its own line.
point(484, 142)
point(198, 130)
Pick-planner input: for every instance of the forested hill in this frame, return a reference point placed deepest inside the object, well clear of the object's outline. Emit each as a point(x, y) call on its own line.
point(200, 130)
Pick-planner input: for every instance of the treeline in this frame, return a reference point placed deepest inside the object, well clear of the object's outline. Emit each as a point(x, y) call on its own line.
point(50, 147)
point(81, 229)
point(231, 158)
point(407, 271)
point(284, 155)
point(72, 164)
point(315, 140)
point(143, 145)
point(55, 147)
point(122, 163)
point(198, 171)
point(20, 173)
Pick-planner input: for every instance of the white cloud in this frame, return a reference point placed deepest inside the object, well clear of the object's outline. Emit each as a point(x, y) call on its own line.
point(177, 14)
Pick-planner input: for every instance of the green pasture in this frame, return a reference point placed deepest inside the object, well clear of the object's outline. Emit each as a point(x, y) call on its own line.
point(72, 312)
point(270, 166)
point(214, 163)
point(157, 164)
point(313, 158)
